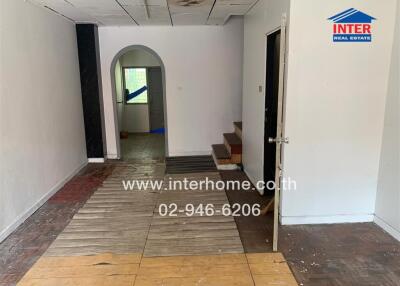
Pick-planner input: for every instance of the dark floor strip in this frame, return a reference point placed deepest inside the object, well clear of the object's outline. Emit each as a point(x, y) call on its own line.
point(189, 164)
point(255, 231)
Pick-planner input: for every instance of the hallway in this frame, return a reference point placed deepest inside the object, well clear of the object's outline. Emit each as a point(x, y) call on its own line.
point(88, 88)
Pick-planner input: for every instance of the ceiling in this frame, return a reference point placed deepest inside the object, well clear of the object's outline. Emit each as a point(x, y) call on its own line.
point(148, 12)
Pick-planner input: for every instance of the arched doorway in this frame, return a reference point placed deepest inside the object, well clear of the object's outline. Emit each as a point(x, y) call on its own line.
point(139, 99)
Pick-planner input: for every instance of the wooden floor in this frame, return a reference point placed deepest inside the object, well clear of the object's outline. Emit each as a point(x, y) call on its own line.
point(119, 237)
point(112, 220)
point(192, 235)
point(117, 221)
point(21, 249)
point(256, 232)
point(320, 255)
point(262, 269)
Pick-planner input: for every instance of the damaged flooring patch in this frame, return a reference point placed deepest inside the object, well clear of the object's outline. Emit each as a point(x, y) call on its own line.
point(117, 221)
point(134, 270)
point(337, 255)
point(119, 238)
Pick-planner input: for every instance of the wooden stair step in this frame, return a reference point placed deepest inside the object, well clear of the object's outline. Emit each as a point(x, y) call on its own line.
point(221, 152)
point(233, 143)
point(232, 139)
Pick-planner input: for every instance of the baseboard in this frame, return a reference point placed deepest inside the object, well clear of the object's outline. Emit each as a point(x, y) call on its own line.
point(113, 157)
point(227, 167)
point(21, 218)
point(387, 227)
point(293, 220)
point(190, 153)
point(96, 160)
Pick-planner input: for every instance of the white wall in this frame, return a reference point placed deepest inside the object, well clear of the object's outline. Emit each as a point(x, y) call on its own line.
point(203, 80)
point(42, 141)
point(387, 209)
point(263, 18)
point(335, 108)
point(136, 118)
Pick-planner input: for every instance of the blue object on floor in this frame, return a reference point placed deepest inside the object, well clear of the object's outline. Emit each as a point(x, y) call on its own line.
point(158, 131)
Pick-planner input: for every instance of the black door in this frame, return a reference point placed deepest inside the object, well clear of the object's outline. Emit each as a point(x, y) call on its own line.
point(271, 104)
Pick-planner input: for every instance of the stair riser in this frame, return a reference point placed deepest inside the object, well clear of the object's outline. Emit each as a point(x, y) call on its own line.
point(224, 164)
point(221, 161)
point(224, 161)
point(238, 132)
point(236, 159)
point(233, 149)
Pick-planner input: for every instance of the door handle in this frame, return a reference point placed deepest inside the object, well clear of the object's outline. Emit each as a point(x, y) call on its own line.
point(279, 140)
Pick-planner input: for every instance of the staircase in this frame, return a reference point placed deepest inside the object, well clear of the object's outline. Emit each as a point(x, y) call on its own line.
point(228, 156)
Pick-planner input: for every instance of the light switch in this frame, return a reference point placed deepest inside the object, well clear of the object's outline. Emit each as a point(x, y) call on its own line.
point(260, 88)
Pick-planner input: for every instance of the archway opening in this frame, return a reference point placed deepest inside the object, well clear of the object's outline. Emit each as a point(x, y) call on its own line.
point(138, 82)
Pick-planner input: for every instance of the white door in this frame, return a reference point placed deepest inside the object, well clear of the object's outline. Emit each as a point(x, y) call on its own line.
point(280, 139)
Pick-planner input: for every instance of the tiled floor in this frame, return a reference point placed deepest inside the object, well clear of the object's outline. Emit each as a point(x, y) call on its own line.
point(143, 146)
point(359, 254)
point(322, 255)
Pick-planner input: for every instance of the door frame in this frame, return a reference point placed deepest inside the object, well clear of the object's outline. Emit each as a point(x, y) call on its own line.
point(114, 93)
point(281, 118)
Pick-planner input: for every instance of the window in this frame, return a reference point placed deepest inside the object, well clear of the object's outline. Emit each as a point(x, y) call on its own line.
point(136, 84)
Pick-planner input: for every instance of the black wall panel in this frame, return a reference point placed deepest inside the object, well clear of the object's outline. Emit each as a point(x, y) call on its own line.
point(89, 65)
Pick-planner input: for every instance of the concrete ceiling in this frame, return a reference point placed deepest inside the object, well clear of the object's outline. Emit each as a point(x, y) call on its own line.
point(148, 12)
